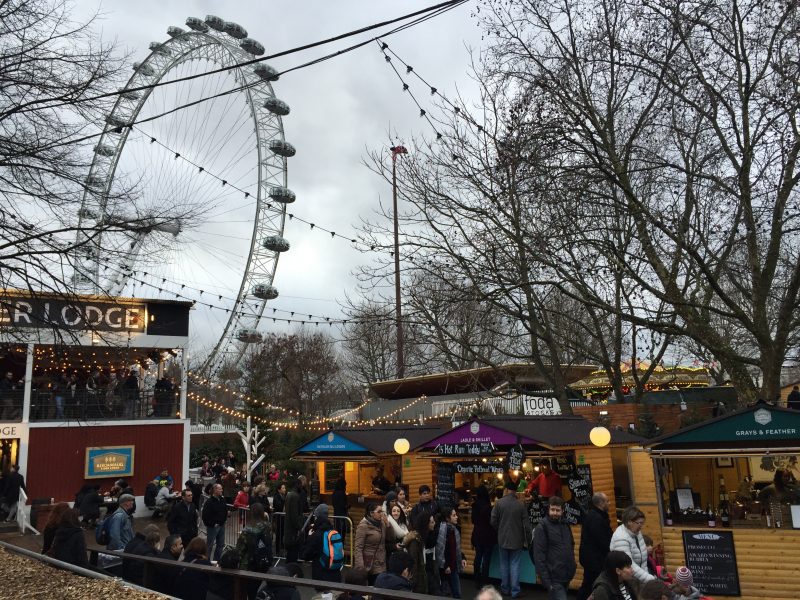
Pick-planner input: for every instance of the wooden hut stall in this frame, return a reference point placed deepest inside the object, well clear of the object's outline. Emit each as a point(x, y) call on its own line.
point(710, 486)
point(357, 452)
point(484, 451)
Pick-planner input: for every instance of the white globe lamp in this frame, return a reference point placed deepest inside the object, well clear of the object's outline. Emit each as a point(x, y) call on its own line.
point(600, 436)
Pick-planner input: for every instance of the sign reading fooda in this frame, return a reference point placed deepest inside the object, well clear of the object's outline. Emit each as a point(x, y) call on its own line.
point(711, 558)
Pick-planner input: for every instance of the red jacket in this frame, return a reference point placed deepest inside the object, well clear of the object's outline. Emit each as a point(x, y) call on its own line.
point(548, 485)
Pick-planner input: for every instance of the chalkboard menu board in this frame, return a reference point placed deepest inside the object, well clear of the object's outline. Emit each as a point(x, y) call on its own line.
point(564, 465)
point(711, 558)
point(537, 510)
point(445, 484)
point(580, 484)
point(515, 458)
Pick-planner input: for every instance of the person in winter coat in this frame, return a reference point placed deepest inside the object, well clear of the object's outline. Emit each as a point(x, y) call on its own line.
point(484, 537)
point(313, 549)
point(339, 498)
point(90, 504)
point(293, 522)
point(142, 544)
point(510, 520)
point(215, 514)
point(398, 527)
point(161, 578)
point(242, 499)
point(398, 574)
point(595, 542)
point(628, 539)
point(554, 551)
point(69, 543)
point(683, 585)
point(369, 547)
point(414, 544)
point(449, 557)
point(53, 522)
point(281, 591)
point(120, 530)
point(14, 482)
point(615, 582)
point(192, 584)
point(182, 519)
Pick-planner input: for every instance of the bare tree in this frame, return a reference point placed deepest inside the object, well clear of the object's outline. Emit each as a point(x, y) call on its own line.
point(300, 372)
point(55, 76)
point(681, 118)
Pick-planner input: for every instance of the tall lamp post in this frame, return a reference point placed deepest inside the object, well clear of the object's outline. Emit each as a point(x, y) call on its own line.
point(401, 364)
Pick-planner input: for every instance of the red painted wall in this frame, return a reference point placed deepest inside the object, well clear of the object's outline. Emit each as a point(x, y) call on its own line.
point(57, 457)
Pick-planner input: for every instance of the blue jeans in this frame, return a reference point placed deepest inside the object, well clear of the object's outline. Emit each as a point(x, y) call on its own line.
point(215, 538)
point(557, 591)
point(453, 582)
point(509, 571)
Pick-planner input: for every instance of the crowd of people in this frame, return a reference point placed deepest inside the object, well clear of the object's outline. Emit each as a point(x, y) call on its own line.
point(397, 545)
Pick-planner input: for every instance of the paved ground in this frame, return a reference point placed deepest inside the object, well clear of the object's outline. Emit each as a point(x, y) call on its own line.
point(34, 542)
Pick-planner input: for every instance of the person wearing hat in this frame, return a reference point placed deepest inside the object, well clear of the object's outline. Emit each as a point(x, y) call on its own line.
point(683, 585)
point(313, 548)
point(510, 519)
point(120, 530)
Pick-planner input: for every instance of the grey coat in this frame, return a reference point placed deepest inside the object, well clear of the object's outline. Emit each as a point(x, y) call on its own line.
point(554, 552)
point(511, 521)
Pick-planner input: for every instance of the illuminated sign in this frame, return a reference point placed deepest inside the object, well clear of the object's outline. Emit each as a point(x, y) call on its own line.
point(109, 461)
point(42, 313)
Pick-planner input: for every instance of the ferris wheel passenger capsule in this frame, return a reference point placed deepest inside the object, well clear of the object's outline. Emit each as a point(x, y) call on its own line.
point(264, 291)
point(235, 30)
point(266, 72)
point(196, 24)
point(159, 48)
point(276, 243)
point(104, 150)
point(282, 148)
point(129, 95)
point(276, 107)
point(215, 22)
point(144, 69)
point(248, 336)
point(281, 194)
point(252, 46)
point(173, 31)
point(94, 181)
point(116, 121)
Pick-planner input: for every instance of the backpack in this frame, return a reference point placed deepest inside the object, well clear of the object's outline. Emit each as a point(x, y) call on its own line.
point(102, 531)
point(258, 548)
point(332, 555)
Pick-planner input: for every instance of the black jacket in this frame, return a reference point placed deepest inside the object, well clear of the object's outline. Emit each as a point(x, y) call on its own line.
point(313, 551)
point(215, 511)
point(339, 502)
point(554, 552)
point(69, 545)
point(595, 540)
point(391, 581)
point(191, 584)
point(278, 502)
point(13, 483)
point(132, 569)
point(604, 589)
point(182, 520)
point(162, 577)
point(90, 505)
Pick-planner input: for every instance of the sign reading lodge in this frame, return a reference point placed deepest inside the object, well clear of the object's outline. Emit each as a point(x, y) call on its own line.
point(42, 313)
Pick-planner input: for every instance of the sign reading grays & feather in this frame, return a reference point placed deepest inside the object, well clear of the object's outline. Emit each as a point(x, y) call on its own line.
point(711, 558)
point(43, 313)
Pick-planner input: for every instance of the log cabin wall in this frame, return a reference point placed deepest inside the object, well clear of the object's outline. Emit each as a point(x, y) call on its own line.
point(644, 493)
point(765, 560)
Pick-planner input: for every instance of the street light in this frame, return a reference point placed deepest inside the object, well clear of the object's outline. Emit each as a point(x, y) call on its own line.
point(401, 446)
point(600, 436)
point(401, 363)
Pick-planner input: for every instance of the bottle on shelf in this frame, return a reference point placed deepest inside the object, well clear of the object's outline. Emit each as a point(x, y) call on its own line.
point(725, 515)
point(712, 518)
point(767, 516)
point(723, 492)
point(668, 517)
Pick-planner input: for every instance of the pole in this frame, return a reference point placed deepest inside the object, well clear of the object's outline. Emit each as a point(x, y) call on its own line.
point(401, 367)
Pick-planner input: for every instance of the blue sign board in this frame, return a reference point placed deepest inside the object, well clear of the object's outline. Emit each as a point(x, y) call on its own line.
point(332, 442)
point(109, 461)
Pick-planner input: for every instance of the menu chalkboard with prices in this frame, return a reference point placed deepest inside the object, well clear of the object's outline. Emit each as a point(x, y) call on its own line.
point(446, 484)
point(580, 484)
point(711, 558)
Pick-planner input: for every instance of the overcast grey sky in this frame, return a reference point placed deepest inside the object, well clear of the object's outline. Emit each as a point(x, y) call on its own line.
point(340, 109)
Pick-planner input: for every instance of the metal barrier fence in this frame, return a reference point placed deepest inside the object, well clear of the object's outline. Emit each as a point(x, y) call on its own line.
point(45, 406)
point(238, 519)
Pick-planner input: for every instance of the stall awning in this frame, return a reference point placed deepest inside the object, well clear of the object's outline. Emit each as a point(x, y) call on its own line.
point(761, 427)
point(363, 443)
point(534, 433)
